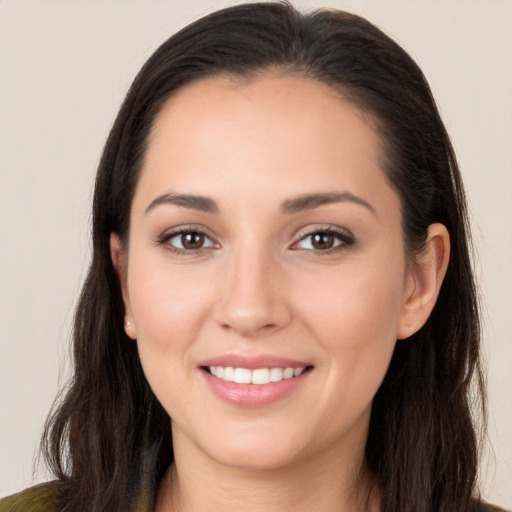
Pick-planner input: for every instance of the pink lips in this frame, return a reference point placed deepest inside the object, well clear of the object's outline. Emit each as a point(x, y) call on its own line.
point(252, 395)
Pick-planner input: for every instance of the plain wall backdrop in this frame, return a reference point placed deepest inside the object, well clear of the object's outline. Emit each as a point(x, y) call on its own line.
point(64, 69)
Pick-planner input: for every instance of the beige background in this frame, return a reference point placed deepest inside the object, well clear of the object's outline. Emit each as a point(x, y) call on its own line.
point(64, 68)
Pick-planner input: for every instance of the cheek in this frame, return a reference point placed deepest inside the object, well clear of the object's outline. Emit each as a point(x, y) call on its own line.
point(354, 317)
point(169, 307)
point(356, 304)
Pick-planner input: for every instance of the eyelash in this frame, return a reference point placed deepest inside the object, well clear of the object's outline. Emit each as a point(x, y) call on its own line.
point(345, 240)
point(179, 232)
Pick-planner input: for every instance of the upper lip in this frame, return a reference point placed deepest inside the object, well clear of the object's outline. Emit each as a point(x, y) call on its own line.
point(253, 362)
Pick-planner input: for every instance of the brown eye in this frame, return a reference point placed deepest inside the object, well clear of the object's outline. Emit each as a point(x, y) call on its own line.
point(322, 241)
point(188, 240)
point(192, 241)
point(325, 240)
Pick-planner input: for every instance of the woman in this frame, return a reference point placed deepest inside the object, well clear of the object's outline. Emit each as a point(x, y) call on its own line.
point(281, 266)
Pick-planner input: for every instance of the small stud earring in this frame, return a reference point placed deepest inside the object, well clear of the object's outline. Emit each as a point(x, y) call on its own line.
point(129, 329)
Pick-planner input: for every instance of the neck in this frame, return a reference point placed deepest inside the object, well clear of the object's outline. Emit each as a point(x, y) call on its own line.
point(331, 481)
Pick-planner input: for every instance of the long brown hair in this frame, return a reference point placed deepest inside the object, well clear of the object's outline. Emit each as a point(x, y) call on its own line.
point(109, 436)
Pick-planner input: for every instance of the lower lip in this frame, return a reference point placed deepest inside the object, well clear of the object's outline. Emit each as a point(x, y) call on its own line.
point(253, 395)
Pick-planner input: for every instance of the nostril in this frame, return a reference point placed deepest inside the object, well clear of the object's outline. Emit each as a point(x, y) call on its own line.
point(252, 314)
point(248, 325)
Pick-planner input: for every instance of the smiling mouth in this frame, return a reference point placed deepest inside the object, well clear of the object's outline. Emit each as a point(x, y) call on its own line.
point(258, 376)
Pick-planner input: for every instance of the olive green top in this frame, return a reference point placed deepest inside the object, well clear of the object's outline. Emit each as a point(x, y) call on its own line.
point(43, 498)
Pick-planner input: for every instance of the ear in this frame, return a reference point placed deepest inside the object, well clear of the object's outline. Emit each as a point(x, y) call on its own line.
point(424, 280)
point(118, 256)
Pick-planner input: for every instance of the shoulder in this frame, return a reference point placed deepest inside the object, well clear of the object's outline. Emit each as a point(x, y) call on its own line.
point(40, 498)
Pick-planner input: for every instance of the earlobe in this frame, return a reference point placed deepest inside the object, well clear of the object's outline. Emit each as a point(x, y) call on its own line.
point(426, 275)
point(119, 263)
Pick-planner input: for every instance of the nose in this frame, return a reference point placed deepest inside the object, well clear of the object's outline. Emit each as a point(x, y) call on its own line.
point(252, 299)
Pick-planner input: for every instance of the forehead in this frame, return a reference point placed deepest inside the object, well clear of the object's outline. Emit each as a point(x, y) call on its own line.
point(262, 98)
point(285, 133)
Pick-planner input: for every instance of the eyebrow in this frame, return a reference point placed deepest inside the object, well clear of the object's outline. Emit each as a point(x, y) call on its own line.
point(193, 202)
point(311, 201)
point(290, 206)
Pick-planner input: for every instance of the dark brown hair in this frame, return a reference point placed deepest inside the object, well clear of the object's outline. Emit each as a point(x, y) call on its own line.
point(109, 436)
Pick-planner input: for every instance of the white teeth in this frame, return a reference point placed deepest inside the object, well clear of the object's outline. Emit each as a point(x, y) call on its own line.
point(276, 374)
point(259, 376)
point(229, 374)
point(242, 375)
point(287, 373)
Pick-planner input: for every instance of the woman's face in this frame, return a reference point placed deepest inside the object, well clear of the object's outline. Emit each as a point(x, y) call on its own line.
point(265, 241)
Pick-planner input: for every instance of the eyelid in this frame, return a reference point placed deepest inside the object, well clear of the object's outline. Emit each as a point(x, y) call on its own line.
point(168, 234)
point(345, 237)
point(343, 234)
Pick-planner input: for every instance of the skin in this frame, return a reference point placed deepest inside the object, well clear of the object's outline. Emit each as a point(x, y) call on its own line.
point(259, 286)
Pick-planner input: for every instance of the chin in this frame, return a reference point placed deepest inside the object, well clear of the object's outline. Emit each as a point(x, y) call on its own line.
point(257, 459)
point(252, 450)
